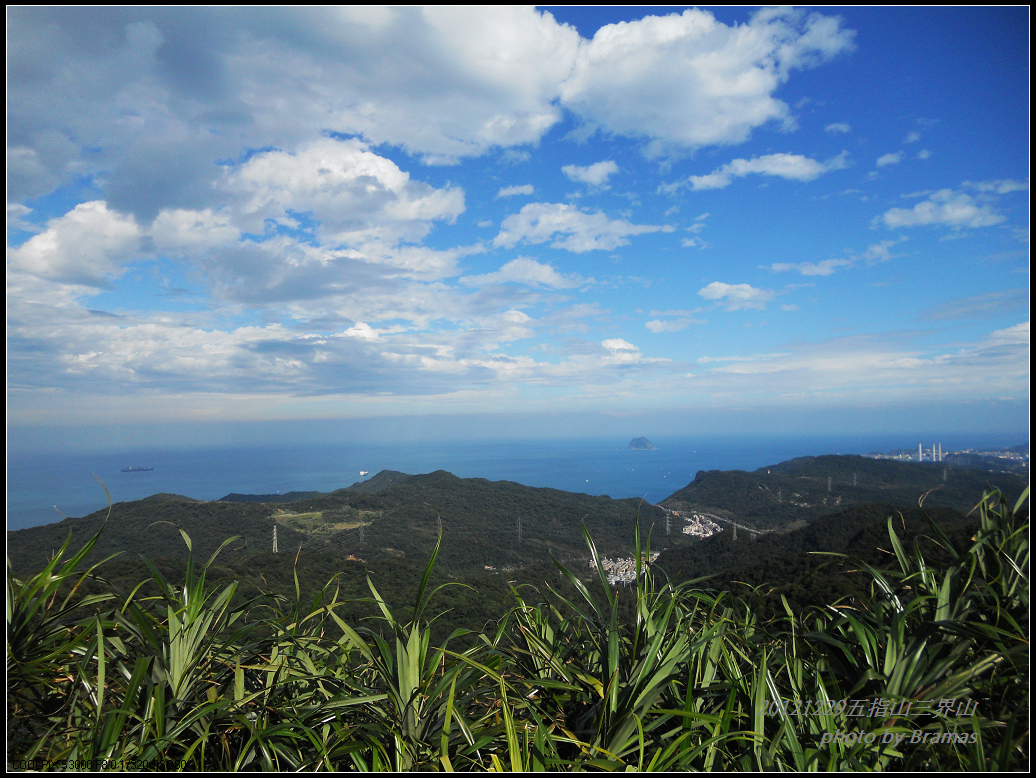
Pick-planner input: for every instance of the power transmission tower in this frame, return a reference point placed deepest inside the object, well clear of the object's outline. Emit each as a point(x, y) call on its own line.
point(518, 526)
point(829, 483)
point(667, 515)
point(361, 532)
point(275, 538)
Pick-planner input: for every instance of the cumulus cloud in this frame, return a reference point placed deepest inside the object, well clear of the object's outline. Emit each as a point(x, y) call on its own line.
point(736, 297)
point(824, 268)
point(511, 191)
point(689, 80)
point(876, 252)
point(1016, 335)
point(881, 251)
point(567, 227)
point(658, 326)
point(838, 127)
point(794, 167)
point(596, 174)
point(174, 89)
point(530, 272)
point(890, 159)
point(361, 330)
point(354, 194)
point(181, 230)
point(999, 186)
point(87, 246)
point(945, 207)
point(16, 218)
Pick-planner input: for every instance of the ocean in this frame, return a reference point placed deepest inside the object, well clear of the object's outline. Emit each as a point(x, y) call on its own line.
point(43, 488)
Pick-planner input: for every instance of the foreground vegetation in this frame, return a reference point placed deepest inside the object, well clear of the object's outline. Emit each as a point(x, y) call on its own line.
point(929, 671)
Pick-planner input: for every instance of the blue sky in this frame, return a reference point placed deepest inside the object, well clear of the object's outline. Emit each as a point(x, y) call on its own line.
point(725, 219)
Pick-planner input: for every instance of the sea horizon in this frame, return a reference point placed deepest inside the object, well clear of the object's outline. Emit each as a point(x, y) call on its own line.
point(46, 487)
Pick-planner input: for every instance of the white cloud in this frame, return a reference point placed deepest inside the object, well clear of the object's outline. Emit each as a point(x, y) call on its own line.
point(617, 344)
point(912, 137)
point(694, 243)
point(999, 186)
point(354, 194)
point(838, 127)
point(596, 174)
point(1016, 335)
point(361, 330)
point(16, 218)
point(876, 252)
point(945, 207)
point(881, 251)
point(794, 167)
point(890, 159)
point(878, 368)
point(924, 154)
point(511, 191)
point(180, 230)
point(497, 76)
point(689, 80)
point(824, 268)
point(659, 326)
point(736, 296)
point(567, 227)
point(530, 272)
point(173, 90)
point(87, 246)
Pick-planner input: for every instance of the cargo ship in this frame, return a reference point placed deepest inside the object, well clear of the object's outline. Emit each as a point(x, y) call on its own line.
point(136, 469)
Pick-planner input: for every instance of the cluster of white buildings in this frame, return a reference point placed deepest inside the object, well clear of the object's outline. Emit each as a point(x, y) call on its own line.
point(622, 569)
point(699, 525)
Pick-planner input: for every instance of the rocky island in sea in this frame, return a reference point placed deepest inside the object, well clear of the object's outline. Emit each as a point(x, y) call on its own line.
point(642, 444)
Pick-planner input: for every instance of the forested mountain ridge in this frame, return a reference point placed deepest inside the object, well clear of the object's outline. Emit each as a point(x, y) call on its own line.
point(502, 524)
point(788, 563)
point(793, 493)
point(393, 515)
point(495, 532)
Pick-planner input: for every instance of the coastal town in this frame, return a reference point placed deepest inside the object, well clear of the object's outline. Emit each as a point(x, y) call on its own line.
point(622, 569)
point(698, 525)
point(1011, 459)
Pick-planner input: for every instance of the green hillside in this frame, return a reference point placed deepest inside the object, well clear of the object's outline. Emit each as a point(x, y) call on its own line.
point(178, 665)
point(393, 516)
point(796, 492)
point(787, 563)
point(388, 525)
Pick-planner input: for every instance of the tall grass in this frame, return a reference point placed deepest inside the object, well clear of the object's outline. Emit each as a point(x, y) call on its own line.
point(929, 672)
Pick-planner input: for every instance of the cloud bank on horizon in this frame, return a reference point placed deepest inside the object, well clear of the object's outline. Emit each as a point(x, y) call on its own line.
point(277, 213)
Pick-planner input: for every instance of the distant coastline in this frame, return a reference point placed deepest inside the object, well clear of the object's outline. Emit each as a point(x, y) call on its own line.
point(44, 487)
